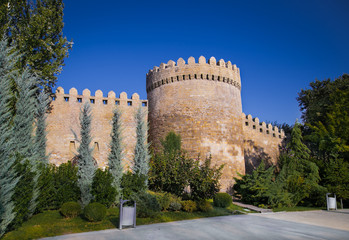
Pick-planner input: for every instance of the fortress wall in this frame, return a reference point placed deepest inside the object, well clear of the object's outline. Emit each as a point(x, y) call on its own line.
point(261, 141)
point(64, 118)
point(201, 102)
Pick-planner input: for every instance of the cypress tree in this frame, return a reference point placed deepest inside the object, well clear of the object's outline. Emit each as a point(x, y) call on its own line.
point(23, 132)
point(40, 136)
point(86, 168)
point(141, 155)
point(116, 155)
point(8, 177)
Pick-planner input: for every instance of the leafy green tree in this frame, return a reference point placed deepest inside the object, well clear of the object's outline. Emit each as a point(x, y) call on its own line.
point(115, 155)
point(86, 168)
point(337, 177)
point(141, 154)
point(204, 180)
point(302, 175)
point(132, 184)
point(36, 27)
point(8, 177)
point(171, 144)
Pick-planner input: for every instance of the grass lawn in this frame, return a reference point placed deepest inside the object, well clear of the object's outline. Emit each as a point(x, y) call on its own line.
point(297, 208)
point(51, 223)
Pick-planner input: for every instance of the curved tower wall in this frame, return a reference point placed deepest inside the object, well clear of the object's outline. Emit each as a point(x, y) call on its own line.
point(201, 102)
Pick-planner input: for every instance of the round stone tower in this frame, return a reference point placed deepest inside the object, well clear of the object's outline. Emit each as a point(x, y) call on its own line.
point(201, 102)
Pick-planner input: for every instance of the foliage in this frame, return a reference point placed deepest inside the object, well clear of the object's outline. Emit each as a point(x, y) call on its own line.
point(204, 180)
point(23, 191)
point(337, 177)
point(171, 144)
point(147, 205)
point(175, 203)
point(47, 198)
point(102, 188)
point(115, 156)
point(66, 184)
point(170, 170)
point(95, 212)
point(204, 205)
point(8, 177)
point(141, 154)
point(164, 199)
point(132, 184)
point(253, 188)
point(70, 209)
point(189, 206)
point(36, 28)
point(170, 173)
point(222, 200)
point(42, 105)
point(86, 168)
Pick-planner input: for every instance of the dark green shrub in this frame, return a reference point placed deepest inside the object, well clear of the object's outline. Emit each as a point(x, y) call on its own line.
point(132, 184)
point(47, 199)
point(95, 212)
point(23, 191)
point(147, 205)
point(102, 188)
point(66, 184)
point(189, 206)
point(204, 206)
point(71, 209)
point(222, 200)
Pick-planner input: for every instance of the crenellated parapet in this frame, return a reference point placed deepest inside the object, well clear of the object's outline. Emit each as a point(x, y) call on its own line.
point(98, 98)
point(212, 70)
point(261, 127)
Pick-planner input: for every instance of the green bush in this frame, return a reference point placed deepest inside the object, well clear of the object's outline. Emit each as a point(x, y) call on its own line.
point(164, 199)
point(102, 188)
point(95, 212)
point(204, 206)
point(147, 205)
point(71, 209)
point(222, 200)
point(132, 184)
point(189, 206)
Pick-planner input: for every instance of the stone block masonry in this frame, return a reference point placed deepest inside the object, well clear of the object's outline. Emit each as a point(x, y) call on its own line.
point(64, 120)
point(201, 101)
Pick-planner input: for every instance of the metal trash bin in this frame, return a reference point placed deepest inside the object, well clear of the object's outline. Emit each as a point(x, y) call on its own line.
point(127, 215)
point(331, 202)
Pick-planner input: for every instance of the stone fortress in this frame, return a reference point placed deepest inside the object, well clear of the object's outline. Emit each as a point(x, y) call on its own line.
point(201, 101)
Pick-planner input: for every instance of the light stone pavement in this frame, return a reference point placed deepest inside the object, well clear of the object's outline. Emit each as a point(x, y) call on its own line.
point(283, 225)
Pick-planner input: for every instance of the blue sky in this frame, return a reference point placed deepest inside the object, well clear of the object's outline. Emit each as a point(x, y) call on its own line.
point(279, 46)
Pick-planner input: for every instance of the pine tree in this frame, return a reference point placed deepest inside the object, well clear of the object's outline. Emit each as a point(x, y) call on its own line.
point(86, 168)
point(141, 157)
point(8, 177)
point(116, 155)
point(40, 136)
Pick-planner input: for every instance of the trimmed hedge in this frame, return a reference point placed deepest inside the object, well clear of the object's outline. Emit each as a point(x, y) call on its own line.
point(71, 209)
point(95, 212)
point(222, 200)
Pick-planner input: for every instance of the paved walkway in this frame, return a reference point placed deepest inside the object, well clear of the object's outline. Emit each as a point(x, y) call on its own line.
point(283, 225)
point(251, 207)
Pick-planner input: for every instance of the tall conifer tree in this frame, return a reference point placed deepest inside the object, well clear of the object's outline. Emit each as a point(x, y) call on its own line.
point(8, 177)
point(23, 129)
point(141, 154)
point(86, 166)
point(116, 153)
point(40, 136)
